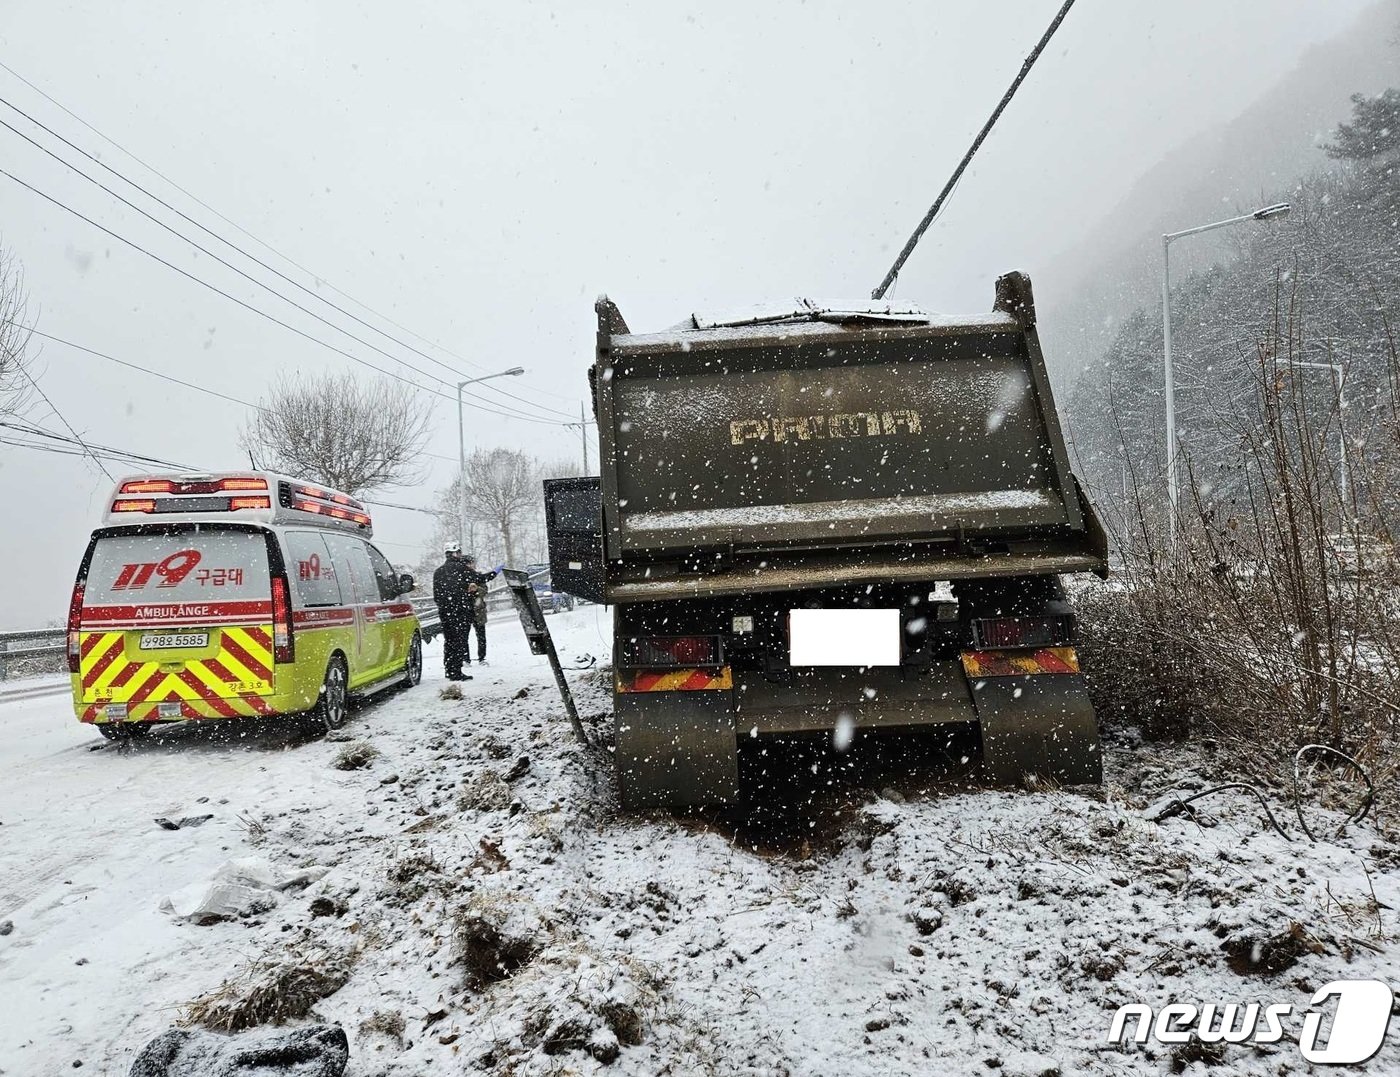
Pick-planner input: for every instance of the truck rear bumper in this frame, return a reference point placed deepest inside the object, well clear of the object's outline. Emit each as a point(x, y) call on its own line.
point(810, 701)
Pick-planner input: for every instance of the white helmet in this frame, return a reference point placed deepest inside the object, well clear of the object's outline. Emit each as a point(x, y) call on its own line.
point(452, 547)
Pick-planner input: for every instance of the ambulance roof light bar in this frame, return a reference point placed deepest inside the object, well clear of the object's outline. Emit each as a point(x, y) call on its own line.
point(255, 497)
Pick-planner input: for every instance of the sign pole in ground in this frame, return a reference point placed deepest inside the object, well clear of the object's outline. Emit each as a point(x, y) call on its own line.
point(527, 604)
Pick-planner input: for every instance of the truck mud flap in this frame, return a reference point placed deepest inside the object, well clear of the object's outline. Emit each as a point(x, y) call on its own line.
point(676, 749)
point(1041, 725)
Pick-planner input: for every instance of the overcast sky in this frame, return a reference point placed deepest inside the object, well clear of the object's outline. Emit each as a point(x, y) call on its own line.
point(480, 172)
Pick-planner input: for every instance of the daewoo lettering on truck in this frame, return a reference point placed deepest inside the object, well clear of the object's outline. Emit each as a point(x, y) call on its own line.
point(234, 595)
point(822, 516)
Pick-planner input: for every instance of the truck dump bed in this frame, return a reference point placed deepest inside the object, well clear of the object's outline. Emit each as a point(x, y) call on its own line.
point(823, 445)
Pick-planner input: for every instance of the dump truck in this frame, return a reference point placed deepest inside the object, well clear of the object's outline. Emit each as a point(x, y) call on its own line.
point(825, 515)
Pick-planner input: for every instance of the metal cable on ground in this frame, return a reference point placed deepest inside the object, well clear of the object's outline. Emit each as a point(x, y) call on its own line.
point(1175, 804)
point(239, 228)
point(879, 292)
point(1354, 817)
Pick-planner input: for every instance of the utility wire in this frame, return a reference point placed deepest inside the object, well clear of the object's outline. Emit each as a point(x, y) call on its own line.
point(233, 224)
point(884, 286)
point(255, 310)
point(177, 381)
point(224, 262)
point(110, 453)
point(38, 389)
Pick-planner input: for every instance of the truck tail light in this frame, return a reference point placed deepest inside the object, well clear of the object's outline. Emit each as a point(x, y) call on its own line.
point(75, 617)
point(672, 652)
point(990, 633)
point(283, 645)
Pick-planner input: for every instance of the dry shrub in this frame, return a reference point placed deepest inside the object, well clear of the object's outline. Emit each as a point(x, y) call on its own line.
point(272, 990)
point(355, 756)
point(1274, 621)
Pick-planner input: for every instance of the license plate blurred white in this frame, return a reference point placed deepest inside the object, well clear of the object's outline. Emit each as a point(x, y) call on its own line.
point(165, 641)
point(843, 637)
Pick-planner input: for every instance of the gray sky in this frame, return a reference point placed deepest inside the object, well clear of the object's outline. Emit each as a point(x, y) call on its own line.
point(480, 172)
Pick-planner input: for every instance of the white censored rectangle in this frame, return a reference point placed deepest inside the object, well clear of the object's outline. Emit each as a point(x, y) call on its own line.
point(843, 637)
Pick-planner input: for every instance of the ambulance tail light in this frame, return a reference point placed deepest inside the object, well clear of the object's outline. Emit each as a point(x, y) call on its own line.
point(283, 645)
point(148, 486)
point(75, 617)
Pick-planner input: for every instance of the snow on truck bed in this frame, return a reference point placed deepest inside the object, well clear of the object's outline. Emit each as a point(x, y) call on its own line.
point(490, 911)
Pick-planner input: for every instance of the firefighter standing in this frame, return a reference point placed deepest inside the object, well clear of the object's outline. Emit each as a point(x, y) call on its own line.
point(476, 585)
point(455, 610)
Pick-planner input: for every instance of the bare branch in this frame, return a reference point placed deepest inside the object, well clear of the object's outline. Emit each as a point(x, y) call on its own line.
point(347, 433)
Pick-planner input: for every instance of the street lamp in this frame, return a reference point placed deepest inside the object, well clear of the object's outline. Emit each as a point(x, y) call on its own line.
point(462, 450)
point(1339, 380)
point(1267, 213)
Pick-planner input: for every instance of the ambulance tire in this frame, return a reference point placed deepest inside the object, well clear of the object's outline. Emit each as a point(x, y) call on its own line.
point(124, 731)
point(413, 668)
point(333, 707)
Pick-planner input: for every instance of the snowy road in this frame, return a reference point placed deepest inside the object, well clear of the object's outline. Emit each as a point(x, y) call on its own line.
point(936, 929)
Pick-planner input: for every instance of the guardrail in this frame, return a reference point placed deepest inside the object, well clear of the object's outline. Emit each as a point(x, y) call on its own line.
point(33, 644)
point(46, 641)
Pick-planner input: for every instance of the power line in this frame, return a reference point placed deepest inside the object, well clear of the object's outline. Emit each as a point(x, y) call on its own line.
point(222, 261)
point(255, 310)
point(250, 235)
point(884, 285)
point(177, 381)
point(65, 422)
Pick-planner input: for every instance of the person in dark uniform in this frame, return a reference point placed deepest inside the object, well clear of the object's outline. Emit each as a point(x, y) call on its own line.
point(455, 611)
point(476, 586)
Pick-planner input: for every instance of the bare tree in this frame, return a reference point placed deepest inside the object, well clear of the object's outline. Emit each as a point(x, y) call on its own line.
point(15, 386)
point(503, 489)
point(347, 433)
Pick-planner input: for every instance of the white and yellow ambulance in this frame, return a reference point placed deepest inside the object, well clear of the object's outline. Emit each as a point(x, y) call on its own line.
point(234, 595)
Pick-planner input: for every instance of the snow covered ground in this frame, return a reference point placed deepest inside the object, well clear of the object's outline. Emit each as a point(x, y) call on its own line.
point(488, 909)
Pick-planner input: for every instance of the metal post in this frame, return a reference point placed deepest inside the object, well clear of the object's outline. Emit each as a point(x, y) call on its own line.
point(461, 472)
point(462, 448)
point(1170, 382)
point(1342, 440)
point(583, 434)
point(1266, 213)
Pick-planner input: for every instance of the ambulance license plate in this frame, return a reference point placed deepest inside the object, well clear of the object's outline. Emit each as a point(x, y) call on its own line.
point(161, 641)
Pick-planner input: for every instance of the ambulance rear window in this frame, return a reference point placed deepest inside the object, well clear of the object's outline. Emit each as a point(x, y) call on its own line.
point(159, 568)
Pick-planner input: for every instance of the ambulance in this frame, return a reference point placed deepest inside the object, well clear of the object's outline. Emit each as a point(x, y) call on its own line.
point(234, 595)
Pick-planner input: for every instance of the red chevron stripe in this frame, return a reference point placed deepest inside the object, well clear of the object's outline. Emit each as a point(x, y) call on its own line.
point(202, 690)
point(255, 667)
point(104, 663)
point(90, 640)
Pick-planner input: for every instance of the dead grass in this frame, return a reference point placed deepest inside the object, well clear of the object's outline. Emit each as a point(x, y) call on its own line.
point(272, 990)
point(355, 756)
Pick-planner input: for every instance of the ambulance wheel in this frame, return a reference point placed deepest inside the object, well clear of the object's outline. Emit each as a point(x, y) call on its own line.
point(413, 669)
point(122, 731)
point(333, 708)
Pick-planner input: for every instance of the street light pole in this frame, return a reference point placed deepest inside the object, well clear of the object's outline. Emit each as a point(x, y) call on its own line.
point(1343, 474)
point(1279, 209)
point(462, 451)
